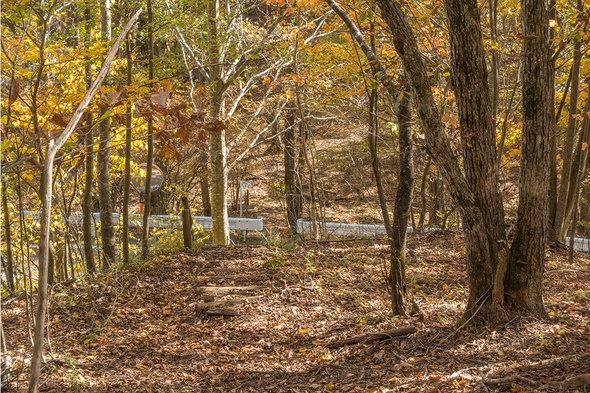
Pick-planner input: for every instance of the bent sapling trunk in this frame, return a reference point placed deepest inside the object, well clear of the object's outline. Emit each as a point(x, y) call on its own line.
point(45, 193)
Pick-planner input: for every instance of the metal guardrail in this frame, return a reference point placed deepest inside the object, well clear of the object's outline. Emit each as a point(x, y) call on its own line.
point(163, 221)
point(369, 230)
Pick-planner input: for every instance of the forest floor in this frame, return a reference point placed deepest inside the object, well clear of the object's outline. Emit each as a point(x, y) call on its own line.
point(157, 327)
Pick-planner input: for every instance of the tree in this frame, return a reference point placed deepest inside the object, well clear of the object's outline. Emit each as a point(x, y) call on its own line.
point(292, 194)
point(524, 285)
point(476, 192)
point(145, 229)
point(397, 230)
point(88, 162)
point(560, 224)
point(53, 146)
point(217, 148)
point(107, 229)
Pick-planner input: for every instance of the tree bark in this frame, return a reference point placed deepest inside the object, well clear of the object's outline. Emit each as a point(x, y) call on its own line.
point(8, 262)
point(292, 195)
point(205, 197)
point(45, 193)
point(524, 284)
point(552, 140)
point(477, 193)
point(88, 165)
point(485, 244)
point(373, 130)
point(403, 199)
point(145, 229)
point(494, 77)
point(217, 147)
point(107, 230)
point(561, 219)
point(423, 183)
point(127, 174)
point(579, 162)
point(435, 216)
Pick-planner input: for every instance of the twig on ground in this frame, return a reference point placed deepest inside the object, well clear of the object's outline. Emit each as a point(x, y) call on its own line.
point(372, 337)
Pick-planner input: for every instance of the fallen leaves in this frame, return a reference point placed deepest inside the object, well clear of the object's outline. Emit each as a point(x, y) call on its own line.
point(278, 343)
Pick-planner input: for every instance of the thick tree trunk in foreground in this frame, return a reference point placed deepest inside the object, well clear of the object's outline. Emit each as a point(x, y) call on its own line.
point(107, 230)
point(403, 199)
point(524, 283)
point(476, 193)
point(485, 241)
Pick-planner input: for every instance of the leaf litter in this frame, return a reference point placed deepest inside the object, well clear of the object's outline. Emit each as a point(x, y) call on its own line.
point(140, 330)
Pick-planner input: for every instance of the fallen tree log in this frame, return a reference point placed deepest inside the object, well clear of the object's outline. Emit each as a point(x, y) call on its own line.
point(372, 337)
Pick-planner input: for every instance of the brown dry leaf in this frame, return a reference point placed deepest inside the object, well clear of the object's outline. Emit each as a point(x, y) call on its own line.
point(14, 91)
point(160, 97)
point(58, 120)
point(215, 126)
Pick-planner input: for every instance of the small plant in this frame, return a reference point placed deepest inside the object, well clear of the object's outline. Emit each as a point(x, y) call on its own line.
point(542, 342)
point(277, 259)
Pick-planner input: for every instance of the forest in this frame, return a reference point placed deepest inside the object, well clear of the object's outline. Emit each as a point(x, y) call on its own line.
point(295, 196)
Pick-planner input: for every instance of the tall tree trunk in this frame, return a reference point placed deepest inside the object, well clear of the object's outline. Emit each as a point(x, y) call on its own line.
point(45, 194)
point(552, 143)
point(403, 199)
point(291, 193)
point(127, 175)
point(8, 263)
point(145, 228)
point(372, 139)
point(485, 241)
point(524, 284)
point(217, 147)
point(494, 77)
point(88, 165)
point(304, 132)
point(580, 160)
point(477, 194)
point(561, 221)
point(107, 229)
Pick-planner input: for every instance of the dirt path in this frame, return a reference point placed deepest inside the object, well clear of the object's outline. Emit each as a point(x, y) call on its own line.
point(148, 329)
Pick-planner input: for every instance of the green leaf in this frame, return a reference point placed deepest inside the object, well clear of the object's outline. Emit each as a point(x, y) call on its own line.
point(4, 145)
point(363, 17)
point(104, 116)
